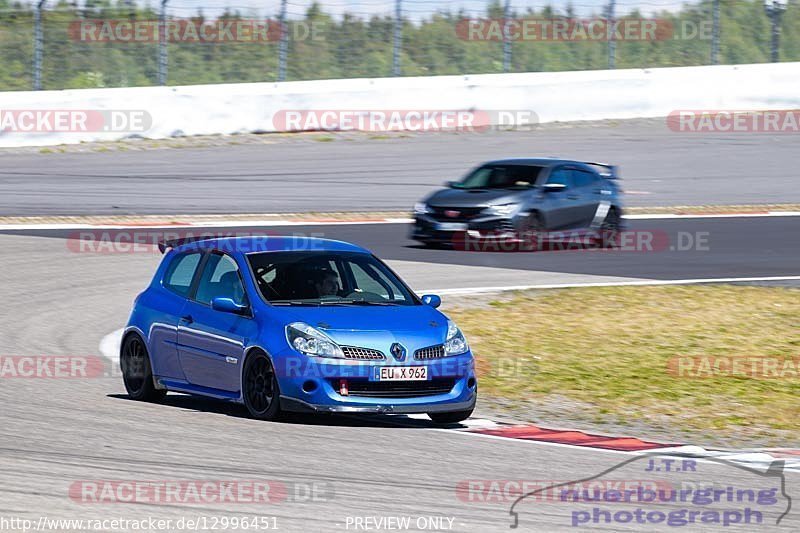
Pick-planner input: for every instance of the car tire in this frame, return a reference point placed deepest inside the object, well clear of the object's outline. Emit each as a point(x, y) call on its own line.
point(137, 374)
point(530, 231)
point(260, 390)
point(450, 417)
point(610, 229)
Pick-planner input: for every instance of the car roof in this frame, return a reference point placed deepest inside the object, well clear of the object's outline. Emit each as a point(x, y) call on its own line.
point(271, 243)
point(534, 161)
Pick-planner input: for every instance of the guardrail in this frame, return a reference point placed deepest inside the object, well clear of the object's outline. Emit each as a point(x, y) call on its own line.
point(49, 117)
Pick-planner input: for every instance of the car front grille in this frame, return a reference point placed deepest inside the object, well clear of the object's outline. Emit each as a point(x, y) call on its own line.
point(398, 389)
point(431, 352)
point(455, 214)
point(353, 352)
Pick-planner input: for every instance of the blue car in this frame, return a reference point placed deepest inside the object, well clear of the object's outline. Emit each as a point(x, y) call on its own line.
point(294, 324)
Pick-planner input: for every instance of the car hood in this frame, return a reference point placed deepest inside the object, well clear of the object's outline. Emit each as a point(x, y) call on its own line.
point(474, 197)
point(415, 326)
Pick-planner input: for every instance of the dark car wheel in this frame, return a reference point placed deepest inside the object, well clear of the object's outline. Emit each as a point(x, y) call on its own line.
point(530, 231)
point(610, 229)
point(451, 417)
point(260, 388)
point(136, 371)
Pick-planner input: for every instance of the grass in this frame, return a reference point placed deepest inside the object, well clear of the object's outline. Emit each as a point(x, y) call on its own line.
point(609, 349)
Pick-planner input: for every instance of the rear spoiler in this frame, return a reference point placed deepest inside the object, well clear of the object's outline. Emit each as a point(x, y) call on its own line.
point(165, 245)
point(609, 171)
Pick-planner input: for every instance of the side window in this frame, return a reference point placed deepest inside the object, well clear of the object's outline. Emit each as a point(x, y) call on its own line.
point(368, 279)
point(366, 283)
point(581, 178)
point(560, 176)
point(220, 279)
point(180, 273)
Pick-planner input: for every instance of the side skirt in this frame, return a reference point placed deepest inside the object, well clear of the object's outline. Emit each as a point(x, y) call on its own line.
point(188, 388)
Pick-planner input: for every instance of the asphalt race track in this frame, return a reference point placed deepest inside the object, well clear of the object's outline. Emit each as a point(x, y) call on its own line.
point(58, 436)
point(659, 167)
point(663, 249)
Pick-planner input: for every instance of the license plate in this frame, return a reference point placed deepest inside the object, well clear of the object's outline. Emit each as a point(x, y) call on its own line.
point(403, 373)
point(451, 226)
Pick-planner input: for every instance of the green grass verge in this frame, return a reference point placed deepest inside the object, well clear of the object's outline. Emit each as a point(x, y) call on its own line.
point(610, 349)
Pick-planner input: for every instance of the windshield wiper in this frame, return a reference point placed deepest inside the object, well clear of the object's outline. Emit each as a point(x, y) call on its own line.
point(292, 302)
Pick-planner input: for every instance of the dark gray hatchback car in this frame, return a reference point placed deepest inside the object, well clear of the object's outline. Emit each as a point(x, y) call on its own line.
point(517, 198)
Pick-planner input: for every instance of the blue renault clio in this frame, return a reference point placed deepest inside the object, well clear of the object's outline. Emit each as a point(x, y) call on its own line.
point(294, 324)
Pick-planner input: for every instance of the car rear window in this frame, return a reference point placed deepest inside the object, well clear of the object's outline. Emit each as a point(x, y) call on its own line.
point(180, 273)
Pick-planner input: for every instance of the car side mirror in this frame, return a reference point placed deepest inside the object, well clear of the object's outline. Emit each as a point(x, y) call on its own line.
point(227, 305)
point(432, 300)
point(554, 187)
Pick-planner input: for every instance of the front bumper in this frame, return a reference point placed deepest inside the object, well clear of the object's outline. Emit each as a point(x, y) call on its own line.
point(427, 228)
point(312, 386)
point(299, 406)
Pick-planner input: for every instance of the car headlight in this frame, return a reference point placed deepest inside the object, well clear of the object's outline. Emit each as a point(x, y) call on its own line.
point(311, 341)
point(421, 208)
point(455, 344)
point(502, 210)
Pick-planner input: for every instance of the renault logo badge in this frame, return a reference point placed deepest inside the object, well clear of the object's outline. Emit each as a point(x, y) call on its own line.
point(398, 351)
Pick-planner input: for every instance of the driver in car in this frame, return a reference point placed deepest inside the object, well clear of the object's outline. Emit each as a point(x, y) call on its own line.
point(327, 283)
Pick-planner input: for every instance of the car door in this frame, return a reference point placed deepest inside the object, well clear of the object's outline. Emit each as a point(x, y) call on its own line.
point(176, 282)
point(586, 191)
point(559, 206)
point(211, 343)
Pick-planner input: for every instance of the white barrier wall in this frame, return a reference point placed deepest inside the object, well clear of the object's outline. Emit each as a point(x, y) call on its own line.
point(553, 96)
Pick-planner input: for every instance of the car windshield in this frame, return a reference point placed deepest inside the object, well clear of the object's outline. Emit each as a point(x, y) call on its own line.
point(500, 177)
point(327, 278)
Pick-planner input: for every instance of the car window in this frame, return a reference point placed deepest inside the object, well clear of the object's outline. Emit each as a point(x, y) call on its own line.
point(327, 278)
point(560, 176)
point(501, 177)
point(367, 279)
point(581, 178)
point(220, 279)
point(180, 273)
